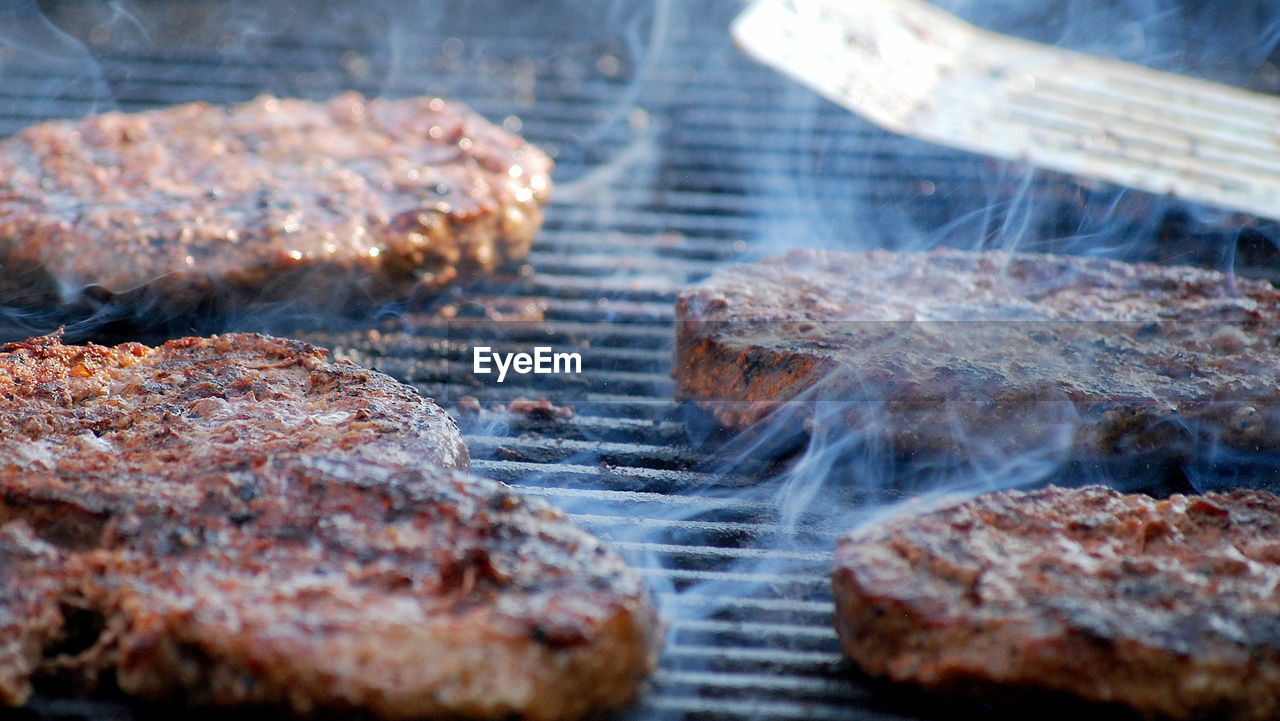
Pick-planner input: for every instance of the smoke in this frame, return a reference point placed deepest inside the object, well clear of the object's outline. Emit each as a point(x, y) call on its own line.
point(1226, 42)
point(234, 50)
point(56, 70)
point(823, 475)
point(946, 197)
point(799, 169)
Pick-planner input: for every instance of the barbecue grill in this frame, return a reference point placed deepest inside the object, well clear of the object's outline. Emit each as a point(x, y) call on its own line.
point(674, 155)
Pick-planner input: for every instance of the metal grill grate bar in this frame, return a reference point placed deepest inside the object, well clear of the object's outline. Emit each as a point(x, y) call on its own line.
point(717, 150)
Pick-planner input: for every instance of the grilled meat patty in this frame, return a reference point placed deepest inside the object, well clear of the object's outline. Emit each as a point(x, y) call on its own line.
point(245, 522)
point(937, 350)
point(345, 201)
point(1166, 606)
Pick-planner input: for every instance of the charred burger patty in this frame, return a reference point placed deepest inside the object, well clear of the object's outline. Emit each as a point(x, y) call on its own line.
point(941, 351)
point(1166, 606)
point(349, 200)
point(238, 520)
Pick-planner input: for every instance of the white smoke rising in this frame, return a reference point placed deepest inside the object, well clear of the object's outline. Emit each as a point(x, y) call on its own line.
point(837, 191)
point(60, 75)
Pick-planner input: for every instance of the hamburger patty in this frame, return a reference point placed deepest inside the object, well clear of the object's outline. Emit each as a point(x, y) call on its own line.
point(1166, 606)
point(933, 350)
point(237, 520)
point(349, 200)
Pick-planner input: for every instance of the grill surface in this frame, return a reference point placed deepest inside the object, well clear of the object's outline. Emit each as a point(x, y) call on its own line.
point(674, 156)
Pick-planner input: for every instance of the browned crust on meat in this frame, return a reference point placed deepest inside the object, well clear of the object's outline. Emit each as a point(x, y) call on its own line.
point(320, 557)
point(124, 415)
point(1133, 358)
point(347, 201)
point(1167, 606)
point(29, 617)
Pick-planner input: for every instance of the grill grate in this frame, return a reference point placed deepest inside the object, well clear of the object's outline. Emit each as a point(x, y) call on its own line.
point(668, 166)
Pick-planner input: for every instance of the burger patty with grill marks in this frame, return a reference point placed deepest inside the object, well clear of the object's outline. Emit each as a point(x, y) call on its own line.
point(1166, 606)
point(238, 520)
point(342, 202)
point(947, 352)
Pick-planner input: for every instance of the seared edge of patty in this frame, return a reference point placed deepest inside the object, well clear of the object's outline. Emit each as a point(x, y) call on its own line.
point(412, 594)
point(1151, 358)
point(338, 202)
point(255, 524)
point(81, 413)
point(1167, 606)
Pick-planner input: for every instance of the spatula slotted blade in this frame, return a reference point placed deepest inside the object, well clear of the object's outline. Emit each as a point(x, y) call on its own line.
point(920, 71)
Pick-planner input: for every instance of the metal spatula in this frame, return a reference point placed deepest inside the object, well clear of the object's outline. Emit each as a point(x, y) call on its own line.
point(920, 71)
